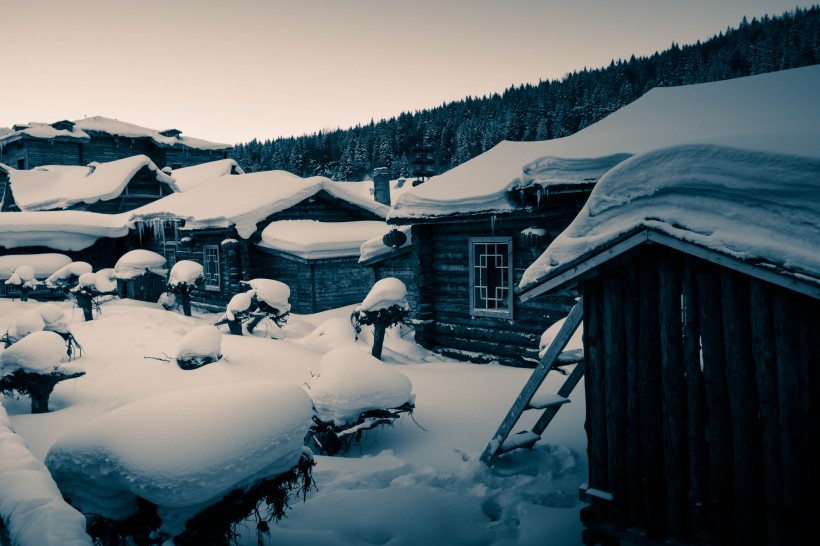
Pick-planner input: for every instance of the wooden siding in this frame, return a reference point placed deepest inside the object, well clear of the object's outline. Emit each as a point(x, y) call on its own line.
point(442, 251)
point(703, 404)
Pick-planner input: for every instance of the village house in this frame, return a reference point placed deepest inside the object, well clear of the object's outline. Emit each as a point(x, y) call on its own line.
point(476, 228)
point(306, 233)
point(701, 307)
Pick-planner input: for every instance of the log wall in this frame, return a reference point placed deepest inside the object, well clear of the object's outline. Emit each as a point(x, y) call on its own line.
point(703, 405)
point(442, 250)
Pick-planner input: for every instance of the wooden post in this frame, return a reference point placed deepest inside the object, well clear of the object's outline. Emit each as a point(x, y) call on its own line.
point(719, 431)
point(614, 363)
point(765, 360)
point(632, 333)
point(379, 330)
point(654, 475)
point(740, 374)
point(673, 380)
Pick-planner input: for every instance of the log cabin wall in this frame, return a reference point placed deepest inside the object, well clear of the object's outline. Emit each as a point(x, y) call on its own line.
point(703, 404)
point(40, 152)
point(103, 148)
point(180, 156)
point(443, 255)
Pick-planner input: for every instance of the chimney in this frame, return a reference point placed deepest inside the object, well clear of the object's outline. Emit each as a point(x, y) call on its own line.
point(381, 185)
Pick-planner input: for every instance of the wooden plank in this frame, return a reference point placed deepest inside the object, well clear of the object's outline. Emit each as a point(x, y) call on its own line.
point(765, 361)
point(535, 380)
point(810, 320)
point(565, 391)
point(746, 440)
point(719, 432)
point(651, 410)
point(695, 403)
point(673, 381)
point(614, 355)
point(632, 333)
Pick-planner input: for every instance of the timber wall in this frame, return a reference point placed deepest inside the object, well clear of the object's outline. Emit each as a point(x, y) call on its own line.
point(443, 305)
point(703, 405)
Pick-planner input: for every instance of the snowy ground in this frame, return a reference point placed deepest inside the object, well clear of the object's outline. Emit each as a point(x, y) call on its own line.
point(401, 486)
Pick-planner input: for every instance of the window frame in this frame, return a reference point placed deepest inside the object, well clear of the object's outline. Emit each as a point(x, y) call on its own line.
point(207, 285)
point(482, 311)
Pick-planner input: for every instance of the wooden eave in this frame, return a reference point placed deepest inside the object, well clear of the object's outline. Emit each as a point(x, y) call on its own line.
point(301, 260)
point(387, 255)
point(588, 266)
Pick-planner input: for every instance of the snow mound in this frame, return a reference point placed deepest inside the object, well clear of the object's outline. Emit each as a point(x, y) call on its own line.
point(239, 304)
point(575, 346)
point(43, 264)
point(74, 269)
point(331, 334)
point(28, 322)
point(38, 352)
point(105, 281)
point(351, 382)
point(185, 272)
point(181, 450)
point(54, 318)
point(31, 506)
point(272, 292)
point(204, 342)
point(138, 262)
point(385, 293)
point(705, 195)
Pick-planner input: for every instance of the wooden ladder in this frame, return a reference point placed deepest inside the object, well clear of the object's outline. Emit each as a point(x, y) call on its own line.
point(502, 441)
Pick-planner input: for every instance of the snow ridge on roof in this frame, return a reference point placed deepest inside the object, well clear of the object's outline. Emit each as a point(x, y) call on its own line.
point(61, 186)
point(759, 207)
point(189, 177)
point(112, 127)
point(775, 112)
point(243, 201)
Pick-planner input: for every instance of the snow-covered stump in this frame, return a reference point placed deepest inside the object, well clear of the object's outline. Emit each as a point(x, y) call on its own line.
point(238, 311)
point(353, 393)
point(271, 302)
point(177, 465)
point(33, 366)
point(23, 278)
point(384, 306)
point(68, 276)
point(185, 276)
point(199, 347)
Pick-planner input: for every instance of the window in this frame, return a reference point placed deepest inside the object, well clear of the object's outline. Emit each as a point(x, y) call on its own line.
point(210, 261)
point(21, 164)
point(170, 252)
point(491, 287)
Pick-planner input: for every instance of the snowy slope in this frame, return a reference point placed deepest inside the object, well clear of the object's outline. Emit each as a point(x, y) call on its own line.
point(774, 112)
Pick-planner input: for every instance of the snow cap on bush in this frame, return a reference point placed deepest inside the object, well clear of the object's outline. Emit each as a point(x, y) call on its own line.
point(185, 272)
point(274, 293)
point(385, 293)
point(73, 269)
point(38, 352)
point(138, 262)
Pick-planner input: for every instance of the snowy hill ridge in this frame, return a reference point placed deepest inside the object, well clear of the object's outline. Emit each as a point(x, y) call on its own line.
point(775, 112)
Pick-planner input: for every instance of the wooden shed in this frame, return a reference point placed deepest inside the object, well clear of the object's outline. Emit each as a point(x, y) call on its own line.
point(701, 308)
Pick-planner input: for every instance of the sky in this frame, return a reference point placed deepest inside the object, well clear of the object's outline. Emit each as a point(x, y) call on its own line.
point(233, 70)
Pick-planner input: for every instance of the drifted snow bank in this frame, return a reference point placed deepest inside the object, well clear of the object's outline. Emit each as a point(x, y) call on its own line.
point(351, 382)
point(754, 206)
point(385, 293)
point(185, 272)
point(31, 506)
point(181, 450)
point(138, 262)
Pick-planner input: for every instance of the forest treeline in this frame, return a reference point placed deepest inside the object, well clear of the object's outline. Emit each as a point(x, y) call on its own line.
point(458, 131)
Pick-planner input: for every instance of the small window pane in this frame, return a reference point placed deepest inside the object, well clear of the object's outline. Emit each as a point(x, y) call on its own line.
point(491, 276)
point(210, 265)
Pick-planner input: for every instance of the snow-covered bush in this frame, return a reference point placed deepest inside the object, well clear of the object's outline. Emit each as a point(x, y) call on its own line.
point(68, 276)
point(23, 278)
point(45, 317)
point(185, 276)
point(90, 287)
point(33, 366)
point(384, 306)
point(198, 347)
point(267, 299)
point(352, 393)
point(173, 457)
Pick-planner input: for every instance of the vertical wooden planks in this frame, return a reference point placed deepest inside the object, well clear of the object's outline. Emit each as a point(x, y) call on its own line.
point(632, 331)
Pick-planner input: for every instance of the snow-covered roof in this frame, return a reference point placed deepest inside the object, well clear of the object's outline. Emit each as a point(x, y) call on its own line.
point(189, 177)
point(311, 239)
point(244, 200)
point(61, 186)
point(373, 249)
point(61, 230)
point(759, 208)
point(774, 112)
point(101, 124)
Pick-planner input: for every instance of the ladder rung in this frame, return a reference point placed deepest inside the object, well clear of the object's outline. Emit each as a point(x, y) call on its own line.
point(524, 438)
point(544, 400)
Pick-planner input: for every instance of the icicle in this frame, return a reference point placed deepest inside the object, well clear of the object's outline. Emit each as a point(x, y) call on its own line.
point(492, 225)
point(538, 197)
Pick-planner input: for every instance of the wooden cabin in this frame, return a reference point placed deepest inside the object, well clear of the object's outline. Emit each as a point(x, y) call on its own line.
point(102, 140)
point(111, 188)
point(701, 348)
point(228, 240)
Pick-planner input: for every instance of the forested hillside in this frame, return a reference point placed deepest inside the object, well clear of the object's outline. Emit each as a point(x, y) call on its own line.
point(460, 130)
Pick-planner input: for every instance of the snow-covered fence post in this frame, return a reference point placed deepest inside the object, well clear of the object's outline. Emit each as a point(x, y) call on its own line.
point(24, 279)
point(184, 277)
point(384, 306)
point(33, 366)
